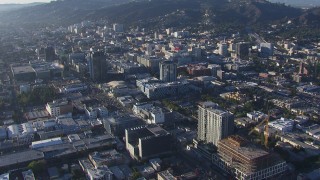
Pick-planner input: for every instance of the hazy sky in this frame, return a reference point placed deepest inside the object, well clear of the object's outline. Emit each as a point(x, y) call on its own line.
point(21, 1)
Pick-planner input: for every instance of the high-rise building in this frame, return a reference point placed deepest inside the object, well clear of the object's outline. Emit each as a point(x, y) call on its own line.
point(47, 53)
point(214, 69)
point(244, 161)
point(97, 66)
point(223, 49)
point(266, 49)
point(118, 28)
point(168, 71)
point(242, 50)
point(213, 124)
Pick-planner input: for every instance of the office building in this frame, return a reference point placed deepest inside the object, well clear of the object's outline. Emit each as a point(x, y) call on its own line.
point(116, 125)
point(246, 162)
point(168, 71)
point(118, 28)
point(97, 66)
point(223, 49)
point(147, 141)
point(155, 89)
point(266, 49)
point(23, 72)
point(46, 53)
point(242, 50)
point(213, 124)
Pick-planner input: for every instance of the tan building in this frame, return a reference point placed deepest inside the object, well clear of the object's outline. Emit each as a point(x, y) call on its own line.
point(245, 162)
point(59, 107)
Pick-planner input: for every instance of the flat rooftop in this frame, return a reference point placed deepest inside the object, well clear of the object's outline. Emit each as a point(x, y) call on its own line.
point(157, 130)
point(22, 69)
point(242, 147)
point(20, 157)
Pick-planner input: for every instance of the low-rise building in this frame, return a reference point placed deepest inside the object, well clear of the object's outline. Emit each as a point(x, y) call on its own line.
point(68, 125)
point(287, 103)
point(234, 96)
point(28, 175)
point(165, 175)
point(45, 143)
point(95, 173)
point(91, 113)
point(71, 88)
point(59, 107)
point(155, 89)
point(21, 133)
point(282, 125)
point(116, 125)
point(257, 116)
point(23, 72)
point(147, 141)
point(108, 158)
point(151, 113)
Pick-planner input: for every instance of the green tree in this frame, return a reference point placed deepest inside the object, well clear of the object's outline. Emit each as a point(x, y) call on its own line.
point(136, 175)
point(37, 166)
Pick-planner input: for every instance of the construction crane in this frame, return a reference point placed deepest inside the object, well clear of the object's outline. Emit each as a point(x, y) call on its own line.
point(266, 130)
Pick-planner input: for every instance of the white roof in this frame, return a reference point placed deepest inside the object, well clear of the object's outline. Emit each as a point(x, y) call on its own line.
point(47, 142)
point(282, 123)
point(20, 129)
point(4, 176)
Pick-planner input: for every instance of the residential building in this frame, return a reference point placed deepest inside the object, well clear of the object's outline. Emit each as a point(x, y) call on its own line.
point(213, 124)
point(151, 113)
point(168, 71)
point(287, 103)
point(246, 162)
point(59, 107)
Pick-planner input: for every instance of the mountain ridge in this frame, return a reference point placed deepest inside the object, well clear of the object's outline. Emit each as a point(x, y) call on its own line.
point(161, 13)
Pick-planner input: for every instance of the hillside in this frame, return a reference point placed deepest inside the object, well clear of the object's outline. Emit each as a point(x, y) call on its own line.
point(299, 3)
point(11, 7)
point(160, 13)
